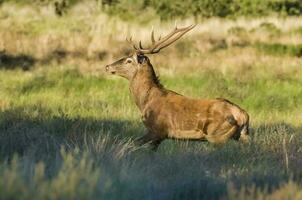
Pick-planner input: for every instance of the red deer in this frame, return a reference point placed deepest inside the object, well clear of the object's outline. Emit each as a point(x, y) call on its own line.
point(167, 114)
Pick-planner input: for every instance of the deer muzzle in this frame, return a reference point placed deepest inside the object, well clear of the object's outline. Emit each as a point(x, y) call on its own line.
point(109, 69)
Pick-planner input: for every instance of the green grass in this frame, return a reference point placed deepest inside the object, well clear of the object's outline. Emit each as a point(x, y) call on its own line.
point(67, 129)
point(66, 135)
point(280, 49)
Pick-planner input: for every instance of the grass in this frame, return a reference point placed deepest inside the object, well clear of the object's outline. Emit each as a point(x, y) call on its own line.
point(280, 49)
point(67, 129)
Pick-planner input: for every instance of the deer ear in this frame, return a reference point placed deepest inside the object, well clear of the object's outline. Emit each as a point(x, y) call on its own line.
point(141, 59)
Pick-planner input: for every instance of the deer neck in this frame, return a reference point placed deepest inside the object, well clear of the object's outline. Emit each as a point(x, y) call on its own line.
point(144, 86)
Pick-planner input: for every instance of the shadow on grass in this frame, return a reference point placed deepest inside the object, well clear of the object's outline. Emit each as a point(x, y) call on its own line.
point(195, 171)
point(20, 130)
point(261, 164)
point(22, 61)
point(27, 62)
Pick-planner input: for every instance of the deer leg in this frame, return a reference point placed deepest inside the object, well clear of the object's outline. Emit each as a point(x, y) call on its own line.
point(222, 134)
point(155, 144)
point(188, 134)
point(244, 134)
point(143, 139)
point(149, 139)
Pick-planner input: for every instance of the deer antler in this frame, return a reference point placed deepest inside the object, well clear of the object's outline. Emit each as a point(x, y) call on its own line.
point(161, 42)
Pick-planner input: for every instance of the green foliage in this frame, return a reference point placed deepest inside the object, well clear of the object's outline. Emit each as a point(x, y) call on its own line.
point(280, 49)
point(60, 6)
point(42, 2)
point(167, 9)
point(251, 7)
point(213, 8)
point(129, 9)
point(170, 9)
point(287, 7)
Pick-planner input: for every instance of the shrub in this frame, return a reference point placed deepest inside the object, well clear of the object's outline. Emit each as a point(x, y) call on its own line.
point(169, 9)
point(127, 9)
point(209, 8)
point(287, 7)
point(251, 8)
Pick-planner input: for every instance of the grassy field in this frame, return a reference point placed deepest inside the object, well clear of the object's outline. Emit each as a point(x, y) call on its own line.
point(67, 128)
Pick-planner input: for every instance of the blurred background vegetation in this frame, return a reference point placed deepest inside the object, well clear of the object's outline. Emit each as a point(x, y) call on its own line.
point(171, 9)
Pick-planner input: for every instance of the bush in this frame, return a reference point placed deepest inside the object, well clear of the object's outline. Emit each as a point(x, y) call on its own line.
point(169, 9)
point(287, 7)
point(127, 9)
point(251, 7)
point(210, 8)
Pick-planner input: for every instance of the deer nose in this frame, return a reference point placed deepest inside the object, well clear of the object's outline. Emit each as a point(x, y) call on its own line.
point(107, 67)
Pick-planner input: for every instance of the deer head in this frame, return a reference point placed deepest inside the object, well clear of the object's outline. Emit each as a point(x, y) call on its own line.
point(128, 66)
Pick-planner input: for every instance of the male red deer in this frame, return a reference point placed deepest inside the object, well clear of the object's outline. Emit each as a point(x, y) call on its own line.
point(167, 114)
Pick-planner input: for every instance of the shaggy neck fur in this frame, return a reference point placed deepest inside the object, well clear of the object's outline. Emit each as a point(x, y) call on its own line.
point(145, 85)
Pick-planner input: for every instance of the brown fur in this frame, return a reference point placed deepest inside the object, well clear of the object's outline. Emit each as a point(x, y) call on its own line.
point(167, 114)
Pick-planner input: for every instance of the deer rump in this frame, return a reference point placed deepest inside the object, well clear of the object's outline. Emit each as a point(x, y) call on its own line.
point(175, 116)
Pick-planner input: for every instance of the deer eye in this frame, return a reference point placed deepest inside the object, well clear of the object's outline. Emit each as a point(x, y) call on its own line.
point(128, 60)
